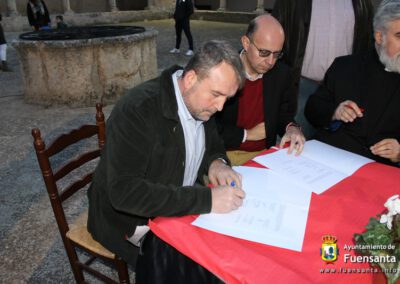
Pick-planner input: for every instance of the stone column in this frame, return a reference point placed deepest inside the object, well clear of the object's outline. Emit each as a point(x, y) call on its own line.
point(222, 5)
point(150, 5)
point(113, 5)
point(260, 6)
point(12, 8)
point(67, 7)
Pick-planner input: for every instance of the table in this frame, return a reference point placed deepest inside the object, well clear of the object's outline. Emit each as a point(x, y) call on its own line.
point(341, 211)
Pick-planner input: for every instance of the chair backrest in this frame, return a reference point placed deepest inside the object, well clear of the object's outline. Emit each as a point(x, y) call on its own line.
point(58, 195)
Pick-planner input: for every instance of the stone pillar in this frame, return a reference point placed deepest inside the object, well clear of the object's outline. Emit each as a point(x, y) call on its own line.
point(222, 5)
point(113, 5)
point(67, 7)
point(150, 5)
point(12, 8)
point(260, 6)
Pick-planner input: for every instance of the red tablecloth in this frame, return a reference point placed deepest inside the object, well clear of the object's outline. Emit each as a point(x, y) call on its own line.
point(341, 211)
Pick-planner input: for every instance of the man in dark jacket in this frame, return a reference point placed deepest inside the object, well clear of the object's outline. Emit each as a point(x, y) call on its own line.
point(357, 106)
point(265, 107)
point(316, 33)
point(183, 11)
point(161, 138)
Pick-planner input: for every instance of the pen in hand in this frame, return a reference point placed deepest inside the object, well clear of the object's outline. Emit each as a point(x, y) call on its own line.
point(335, 125)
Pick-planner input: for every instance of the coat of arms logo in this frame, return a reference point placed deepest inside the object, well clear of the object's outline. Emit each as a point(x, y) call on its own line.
point(329, 250)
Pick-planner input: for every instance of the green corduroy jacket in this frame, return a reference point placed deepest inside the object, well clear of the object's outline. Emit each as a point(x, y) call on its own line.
point(140, 172)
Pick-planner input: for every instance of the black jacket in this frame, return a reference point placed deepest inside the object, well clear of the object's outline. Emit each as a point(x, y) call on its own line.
point(295, 17)
point(183, 9)
point(141, 169)
point(279, 109)
point(364, 81)
point(37, 19)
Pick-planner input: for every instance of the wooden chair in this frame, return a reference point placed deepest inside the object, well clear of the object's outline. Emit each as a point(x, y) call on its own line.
point(75, 235)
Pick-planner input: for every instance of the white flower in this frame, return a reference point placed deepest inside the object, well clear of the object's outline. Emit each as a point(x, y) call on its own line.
point(393, 206)
point(387, 219)
point(397, 206)
point(390, 203)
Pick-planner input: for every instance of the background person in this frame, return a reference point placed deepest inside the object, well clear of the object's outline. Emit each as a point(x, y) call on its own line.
point(316, 33)
point(183, 11)
point(363, 95)
point(38, 15)
point(60, 22)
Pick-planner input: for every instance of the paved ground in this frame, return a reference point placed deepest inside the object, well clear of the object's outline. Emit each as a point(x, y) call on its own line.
point(31, 250)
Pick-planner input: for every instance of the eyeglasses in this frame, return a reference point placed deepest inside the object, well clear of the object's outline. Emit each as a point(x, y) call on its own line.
point(266, 52)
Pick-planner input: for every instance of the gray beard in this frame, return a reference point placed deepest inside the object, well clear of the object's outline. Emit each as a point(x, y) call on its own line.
point(392, 64)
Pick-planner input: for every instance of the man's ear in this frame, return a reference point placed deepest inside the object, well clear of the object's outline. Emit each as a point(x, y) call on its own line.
point(245, 42)
point(378, 37)
point(189, 79)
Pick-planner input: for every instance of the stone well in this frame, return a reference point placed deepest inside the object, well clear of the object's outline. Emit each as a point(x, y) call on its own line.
point(82, 66)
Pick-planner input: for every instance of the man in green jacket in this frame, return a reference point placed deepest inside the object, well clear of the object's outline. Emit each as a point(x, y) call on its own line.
point(161, 141)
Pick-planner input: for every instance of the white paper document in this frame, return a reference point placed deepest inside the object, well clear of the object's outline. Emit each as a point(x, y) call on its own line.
point(274, 211)
point(319, 167)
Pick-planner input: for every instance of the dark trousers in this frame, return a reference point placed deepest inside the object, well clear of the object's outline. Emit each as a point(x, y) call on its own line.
point(185, 25)
point(159, 263)
point(307, 87)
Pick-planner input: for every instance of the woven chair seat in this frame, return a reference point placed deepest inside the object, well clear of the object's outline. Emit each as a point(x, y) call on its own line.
point(79, 234)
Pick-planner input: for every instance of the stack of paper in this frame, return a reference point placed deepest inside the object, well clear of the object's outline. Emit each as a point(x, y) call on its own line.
point(275, 209)
point(319, 167)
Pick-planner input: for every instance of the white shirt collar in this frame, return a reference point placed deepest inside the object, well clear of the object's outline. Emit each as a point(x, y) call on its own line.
point(183, 111)
point(247, 75)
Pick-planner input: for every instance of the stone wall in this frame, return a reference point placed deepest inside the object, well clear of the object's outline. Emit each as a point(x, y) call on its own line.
point(92, 6)
point(20, 23)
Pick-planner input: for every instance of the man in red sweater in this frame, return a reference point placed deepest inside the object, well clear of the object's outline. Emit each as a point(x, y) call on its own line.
point(265, 107)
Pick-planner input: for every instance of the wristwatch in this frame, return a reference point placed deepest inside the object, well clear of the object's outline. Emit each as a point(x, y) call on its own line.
point(223, 161)
point(293, 124)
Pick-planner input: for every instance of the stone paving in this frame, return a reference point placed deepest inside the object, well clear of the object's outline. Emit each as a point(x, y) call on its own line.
point(31, 250)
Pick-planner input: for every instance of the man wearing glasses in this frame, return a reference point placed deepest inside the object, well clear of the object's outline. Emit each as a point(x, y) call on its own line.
point(265, 107)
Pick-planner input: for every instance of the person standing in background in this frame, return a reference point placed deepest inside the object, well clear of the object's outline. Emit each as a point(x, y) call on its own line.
point(183, 11)
point(38, 15)
point(60, 22)
point(316, 33)
point(3, 50)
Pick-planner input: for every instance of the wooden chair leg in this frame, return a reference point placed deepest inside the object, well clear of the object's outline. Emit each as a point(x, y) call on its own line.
point(122, 269)
point(73, 260)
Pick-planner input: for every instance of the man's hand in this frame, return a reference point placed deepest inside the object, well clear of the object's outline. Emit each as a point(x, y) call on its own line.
point(347, 111)
point(387, 148)
point(226, 198)
point(221, 174)
point(256, 133)
point(295, 137)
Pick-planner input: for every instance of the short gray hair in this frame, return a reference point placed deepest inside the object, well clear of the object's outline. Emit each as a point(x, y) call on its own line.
point(388, 10)
point(213, 53)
